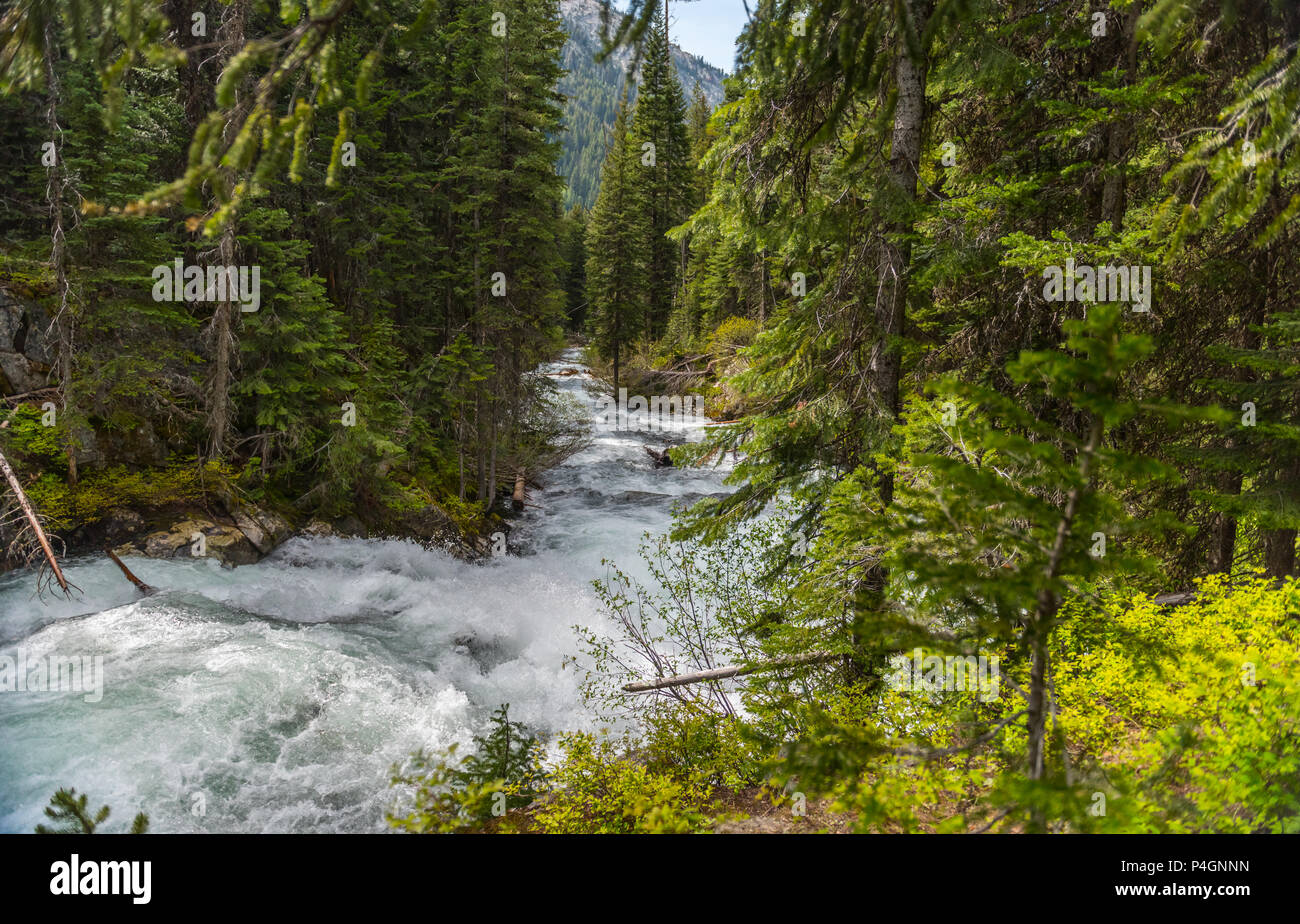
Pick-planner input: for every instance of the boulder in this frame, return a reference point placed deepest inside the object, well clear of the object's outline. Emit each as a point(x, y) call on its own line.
point(263, 529)
point(25, 329)
point(351, 526)
point(121, 525)
point(318, 529)
point(26, 347)
point(19, 375)
point(227, 544)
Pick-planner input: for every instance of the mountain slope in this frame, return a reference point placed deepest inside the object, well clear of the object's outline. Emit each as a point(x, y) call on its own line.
point(593, 90)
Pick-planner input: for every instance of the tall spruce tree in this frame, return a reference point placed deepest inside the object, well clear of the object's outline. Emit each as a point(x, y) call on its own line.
point(661, 184)
point(617, 259)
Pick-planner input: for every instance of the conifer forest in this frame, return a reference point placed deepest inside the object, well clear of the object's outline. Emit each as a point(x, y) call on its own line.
point(506, 417)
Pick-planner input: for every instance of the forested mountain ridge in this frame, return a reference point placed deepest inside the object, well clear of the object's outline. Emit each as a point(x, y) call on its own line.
point(592, 91)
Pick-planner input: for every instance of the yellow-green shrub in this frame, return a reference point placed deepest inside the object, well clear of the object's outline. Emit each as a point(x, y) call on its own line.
point(1196, 706)
point(733, 334)
point(98, 492)
point(596, 790)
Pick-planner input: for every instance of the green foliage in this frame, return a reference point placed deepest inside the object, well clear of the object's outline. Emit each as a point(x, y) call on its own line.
point(692, 744)
point(1193, 710)
point(1168, 719)
point(376, 260)
point(1014, 488)
point(597, 791)
point(732, 335)
point(94, 496)
point(503, 772)
point(28, 438)
point(72, 816)
point(592, 89)
point(508, 754)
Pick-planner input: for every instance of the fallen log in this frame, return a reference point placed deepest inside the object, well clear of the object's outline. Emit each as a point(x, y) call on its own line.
point(738, 670)
point(35, 522)
point(140, 585)
point(721, 673)
point(14, 399)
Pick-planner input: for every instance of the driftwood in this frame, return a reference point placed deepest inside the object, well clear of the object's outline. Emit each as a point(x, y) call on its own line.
point(662, 459)
point(517, 498)
point(721, 673)
point(140, 585)
point(34, 521)
point(14, 399)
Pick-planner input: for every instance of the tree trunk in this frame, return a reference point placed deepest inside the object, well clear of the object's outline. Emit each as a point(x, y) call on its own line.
point(1223, 530)
point(884, 367)
point(1040, 625)
point(1117, 141)
point(617, 333)
point(895, 251)
point(721, 673)
point(63, 320)
point(492, 458)
point(1279, 552)
point(222, 331)
point(222, 325)
point(33, 521)
point(126, 572)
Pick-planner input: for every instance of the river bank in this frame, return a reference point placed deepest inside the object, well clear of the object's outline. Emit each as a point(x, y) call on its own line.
point(276, 696)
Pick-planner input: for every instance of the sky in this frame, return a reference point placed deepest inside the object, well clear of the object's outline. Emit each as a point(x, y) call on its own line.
point(708, 28)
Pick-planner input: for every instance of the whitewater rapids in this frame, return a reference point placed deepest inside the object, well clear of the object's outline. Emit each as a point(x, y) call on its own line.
point(275, 697)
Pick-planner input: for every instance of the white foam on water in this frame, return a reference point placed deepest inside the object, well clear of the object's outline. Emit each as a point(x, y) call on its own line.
point(280, 694)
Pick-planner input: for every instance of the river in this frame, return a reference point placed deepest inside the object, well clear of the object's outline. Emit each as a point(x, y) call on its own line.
point(275, 697)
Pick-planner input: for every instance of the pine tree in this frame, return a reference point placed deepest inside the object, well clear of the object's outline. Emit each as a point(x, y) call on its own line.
point(700, 139)
point(72, 816)
point(661, 183)
point(508, 754)
point(1263, 442)
point(295, 364)
point(574, 253)
point(1010, 502)
point(617, 262)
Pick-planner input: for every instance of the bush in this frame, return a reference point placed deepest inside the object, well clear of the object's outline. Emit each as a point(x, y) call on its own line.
point(97, 493)
point(504, 772)
point(1198, 706)
point(733, 334)
point(692, 744)
point(599, 791)
point(1173, 719)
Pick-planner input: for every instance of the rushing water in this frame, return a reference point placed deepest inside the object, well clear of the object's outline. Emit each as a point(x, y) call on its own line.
point(275, 697)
